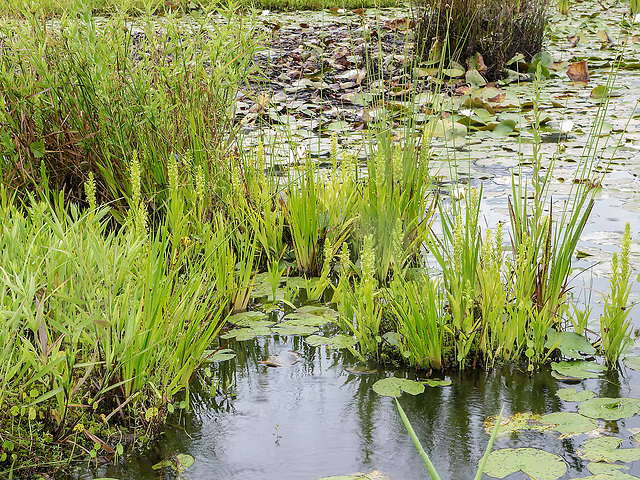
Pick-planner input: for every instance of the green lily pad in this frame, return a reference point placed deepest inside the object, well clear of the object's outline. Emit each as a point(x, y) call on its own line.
point(578, 369)
point(218, 356)
point(311, 315)
point(609, 408)
point(360, 370)
point(247, 319)
point(610, 476)
point(536, 463)
point(572, 395)
point(243, 334)
point(517, 421)
point(337, 341)
point(569, 423)
point(605, 449)
point(599, 467)
point(632, 362)
point(437, 383)
point(570, 344)
point(179, 462)
point(394, 386)
point(287, 328)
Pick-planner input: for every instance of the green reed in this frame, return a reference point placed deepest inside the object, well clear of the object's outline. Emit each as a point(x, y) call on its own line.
point(615, 323)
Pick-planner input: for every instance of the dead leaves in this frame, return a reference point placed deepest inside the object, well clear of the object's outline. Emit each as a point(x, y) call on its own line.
point(578, 72)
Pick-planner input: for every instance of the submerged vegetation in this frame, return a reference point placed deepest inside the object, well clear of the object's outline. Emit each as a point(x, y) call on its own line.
point(135, 224)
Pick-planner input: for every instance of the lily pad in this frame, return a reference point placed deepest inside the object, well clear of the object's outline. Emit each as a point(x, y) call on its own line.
point(536, 463)
point(243, 334)
point(632, 362)
point(572, 395)
point(437, 383)
point(569, 423)
point(247, 319)
point(287, 328)
point(311, 315)
point(394, 386)
point(599, 467)
point(218, 356)
point(517, 421)
point(179, 462)
point(605, 449)
point(571, 344)
point(577, 369)
point(337, 341)
point(360, 370)
point(609, 408)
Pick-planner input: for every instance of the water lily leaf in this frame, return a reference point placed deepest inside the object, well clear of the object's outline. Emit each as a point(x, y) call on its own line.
point(394, 386)
point(569, 423)
point(610, 476)
point(287, 328)
point(536, 463)
point(360, 370)
point(569, 343)
point(605, 449)
point(337, 341)
point(242, 334)
point(609, 408)
point(599, 467)
point(246, 319)
point(437, 383)
point(475, 79)
point(632, 362)
point(572, 395)
point(578, 72)
point(504, 128)
point(218, 356)
point(517, 421)
point(578, 369)
point(178, 462)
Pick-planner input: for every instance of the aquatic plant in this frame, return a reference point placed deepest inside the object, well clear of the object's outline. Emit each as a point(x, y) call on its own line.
point(81, 98)
point(425, 457)
point(494, 32)
point(615, 322)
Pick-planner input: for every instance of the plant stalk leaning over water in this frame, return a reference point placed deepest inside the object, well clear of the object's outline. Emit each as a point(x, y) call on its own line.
point(425, 458)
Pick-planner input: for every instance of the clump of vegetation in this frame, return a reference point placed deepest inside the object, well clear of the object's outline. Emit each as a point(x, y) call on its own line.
point(484, 34)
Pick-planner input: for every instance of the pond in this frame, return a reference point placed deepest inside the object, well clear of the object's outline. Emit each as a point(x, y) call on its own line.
point(315, 418)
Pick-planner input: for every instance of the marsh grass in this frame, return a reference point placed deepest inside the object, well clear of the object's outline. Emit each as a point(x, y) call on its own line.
point(457, 30)
point(113, 333)
point(79, 97)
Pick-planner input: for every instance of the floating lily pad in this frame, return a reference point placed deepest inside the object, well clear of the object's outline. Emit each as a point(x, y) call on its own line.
point(178, 462)
point(375, 475)
point(291, 329)
point(248, 319)
point(218, 356)
point(605, 449)
point(571, 344)
point(337, 341)
point(599, 467)
point(360, 370)
point(577, 369)
point(569, 423)
point(632, 362)
point(609, 408)
point(437, 383)
point(517, 421)
point(311, 315)
point(610, 476)
point(572, 395)
point(536, 463)
point(394, 386)
point(242, 334)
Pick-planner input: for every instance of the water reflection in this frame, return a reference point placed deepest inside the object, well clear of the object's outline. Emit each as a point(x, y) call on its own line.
point(315, 419)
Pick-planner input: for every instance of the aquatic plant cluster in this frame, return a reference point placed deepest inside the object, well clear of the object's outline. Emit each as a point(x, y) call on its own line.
point(132, 225)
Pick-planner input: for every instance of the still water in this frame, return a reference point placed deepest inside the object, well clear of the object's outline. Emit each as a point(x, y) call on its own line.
point(315, 419)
